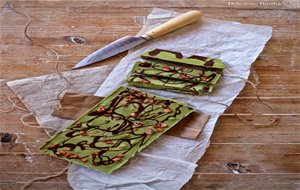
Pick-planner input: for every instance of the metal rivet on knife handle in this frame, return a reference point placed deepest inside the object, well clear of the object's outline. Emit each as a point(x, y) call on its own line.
point(175, 23)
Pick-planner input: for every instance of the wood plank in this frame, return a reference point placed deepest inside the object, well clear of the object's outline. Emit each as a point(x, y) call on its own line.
point(92, 5)
point(96, 34)
point(33, 163)
point(37, 185)
point(243, 181)
point(228, 130)
point(101, 18)
point(21, 177)
point(254, 107)
point(284, 120)
point(255, 158)
point(278, 46)
point(256, 134)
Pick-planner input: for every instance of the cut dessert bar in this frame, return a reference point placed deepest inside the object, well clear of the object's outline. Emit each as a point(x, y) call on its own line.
point(118, 127)
point(162, 69)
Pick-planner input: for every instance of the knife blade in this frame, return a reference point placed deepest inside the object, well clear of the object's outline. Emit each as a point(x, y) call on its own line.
point(129, 42)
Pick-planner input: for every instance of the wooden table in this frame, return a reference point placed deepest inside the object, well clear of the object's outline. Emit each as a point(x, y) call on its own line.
point(267, 156)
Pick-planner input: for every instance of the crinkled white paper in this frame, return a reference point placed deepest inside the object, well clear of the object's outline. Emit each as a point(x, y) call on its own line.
point(170, 162)
point(39, 94)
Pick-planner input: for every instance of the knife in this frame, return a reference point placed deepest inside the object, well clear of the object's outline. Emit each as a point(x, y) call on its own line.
point(128, 42)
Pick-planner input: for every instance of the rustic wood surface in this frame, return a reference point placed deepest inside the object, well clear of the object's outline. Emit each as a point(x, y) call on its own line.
point(266, 157)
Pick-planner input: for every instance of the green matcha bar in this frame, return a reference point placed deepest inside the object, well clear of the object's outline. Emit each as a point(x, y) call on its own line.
point(162, 69)
point(118, 127)
point(153, 69)
point(168, 84)
point(172, 56)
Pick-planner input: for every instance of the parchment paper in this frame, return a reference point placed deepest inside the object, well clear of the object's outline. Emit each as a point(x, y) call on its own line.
point(169, 162)
point(39, 94)
point(171, 165)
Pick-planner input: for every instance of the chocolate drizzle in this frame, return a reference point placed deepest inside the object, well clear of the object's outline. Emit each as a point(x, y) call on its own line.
point(201, 58)
point(157, 51)
point(145, 64)
point(209, 63)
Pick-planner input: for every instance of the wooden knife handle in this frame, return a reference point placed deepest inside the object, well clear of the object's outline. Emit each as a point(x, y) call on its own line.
point(175, 23)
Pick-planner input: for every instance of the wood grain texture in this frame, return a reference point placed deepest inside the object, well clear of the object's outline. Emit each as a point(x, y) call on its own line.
point(268, 155)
